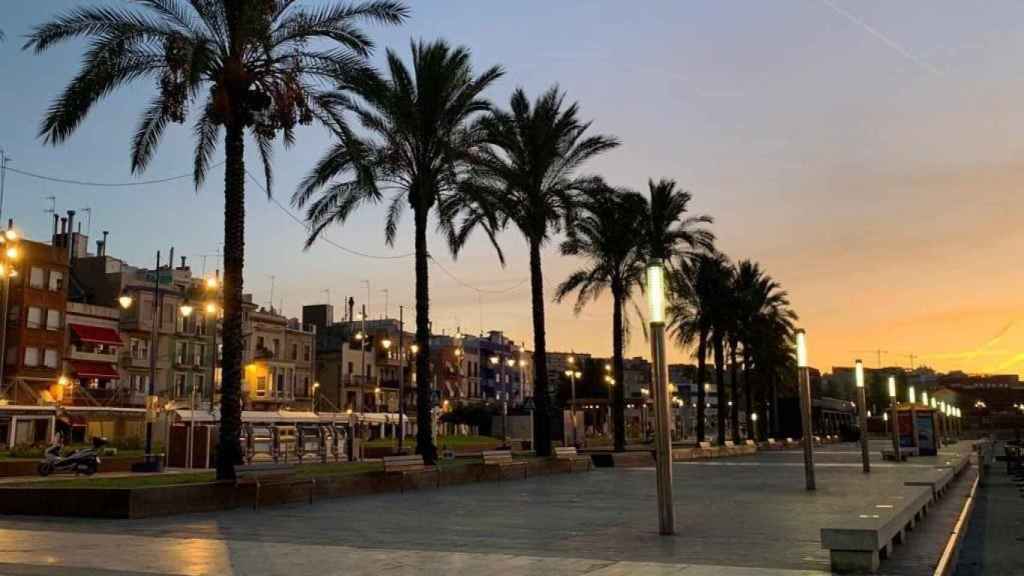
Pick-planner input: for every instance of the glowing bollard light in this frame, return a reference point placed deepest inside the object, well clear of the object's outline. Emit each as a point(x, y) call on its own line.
point(858, 372)
point(804, 380)
point(662, 412)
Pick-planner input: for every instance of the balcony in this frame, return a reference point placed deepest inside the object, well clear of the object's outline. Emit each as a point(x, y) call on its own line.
point(77, 353)
point(130, 361)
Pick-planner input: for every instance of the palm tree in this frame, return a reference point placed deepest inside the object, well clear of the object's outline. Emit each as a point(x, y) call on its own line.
point(526, 176)
point(671, 231)
point(695, 287)
point(765, 327)
point(417, 146)
point(251, 67)
point(605, 233)
point(721, 321)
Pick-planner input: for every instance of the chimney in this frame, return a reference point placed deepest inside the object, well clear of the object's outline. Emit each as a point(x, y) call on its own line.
point(70, 241)
point(63, 225)
point(56, 220)
point(105, 233)
point(351, 306)
point(183, 263)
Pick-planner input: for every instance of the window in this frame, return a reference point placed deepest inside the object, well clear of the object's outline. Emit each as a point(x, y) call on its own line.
point(259, 343)
point(139, 382)
point(12, 356)
point(140, 349)
point(35, 278)
point(31, 356)
point(351, 368)
point(50, 358)
point(180, 352)
point(199, 383)
point(56, 281)
point(305, 352)
point(201, 325)
point(277, 347)
point(53, 319)
point(261, 386)
point(180, 384)
point(200, 354)
point(280, 383)
point(305, 386)
point(295, 351)
point(35, 317)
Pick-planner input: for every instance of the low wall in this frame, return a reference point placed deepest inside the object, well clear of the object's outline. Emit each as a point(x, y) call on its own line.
point(208, 497)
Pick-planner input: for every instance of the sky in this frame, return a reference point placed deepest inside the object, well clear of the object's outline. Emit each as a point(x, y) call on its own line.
point(867, 154)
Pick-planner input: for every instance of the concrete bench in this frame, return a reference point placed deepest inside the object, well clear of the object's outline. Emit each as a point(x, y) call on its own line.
point(269, 474)
point(858, 543)
point(502, 459)
point(936, 479)
point(730, 448)
point(704, 450)
point(406, 465)
point(790, 443)
point(569, 455)
point(750, 446)
point(771, 444)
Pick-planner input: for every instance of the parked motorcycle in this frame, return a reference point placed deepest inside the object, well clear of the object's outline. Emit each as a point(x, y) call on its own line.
point(85, 461)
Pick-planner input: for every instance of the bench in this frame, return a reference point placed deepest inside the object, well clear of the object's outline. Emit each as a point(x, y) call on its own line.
point(502, 459)
point(731, 448)
point(569, 455)
point(269, 474)
point(405, 465)
point(771, 444)
point(704, 450)
point(857, 543)
point(936, 479)
point(790, 443)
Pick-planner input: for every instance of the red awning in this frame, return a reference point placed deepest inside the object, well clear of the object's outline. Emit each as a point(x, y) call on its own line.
point(87, 369)
point(96, 334)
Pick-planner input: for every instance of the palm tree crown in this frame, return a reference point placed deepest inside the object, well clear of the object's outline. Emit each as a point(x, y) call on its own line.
point(670, 230)
point(417, 146)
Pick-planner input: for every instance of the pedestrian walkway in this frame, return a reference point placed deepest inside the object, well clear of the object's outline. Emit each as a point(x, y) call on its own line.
point(995, 534)
point(731, 521)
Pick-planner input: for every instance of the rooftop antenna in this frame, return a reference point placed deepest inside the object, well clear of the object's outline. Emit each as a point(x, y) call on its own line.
point(4, 159)
point(53, 205)
point(88, 222)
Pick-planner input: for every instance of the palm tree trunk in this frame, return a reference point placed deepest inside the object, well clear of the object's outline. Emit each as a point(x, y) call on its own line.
point(424, 435)
point(541, 389)
point(229, 448)
point(734, 395)
point(718, 343)
point(775, 406)
point(619, 368)
point(702, 354)
point(747, 391)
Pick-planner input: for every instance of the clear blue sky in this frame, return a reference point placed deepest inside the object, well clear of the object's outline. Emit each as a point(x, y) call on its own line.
point(867, 153)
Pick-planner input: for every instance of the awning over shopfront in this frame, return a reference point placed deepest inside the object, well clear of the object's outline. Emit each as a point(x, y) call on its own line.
point(88, 369)
point(96, 334)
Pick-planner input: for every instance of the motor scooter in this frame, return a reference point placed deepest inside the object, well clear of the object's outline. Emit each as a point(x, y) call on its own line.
point(84, 461)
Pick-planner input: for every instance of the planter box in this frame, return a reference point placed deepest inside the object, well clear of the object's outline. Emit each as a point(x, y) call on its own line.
point(213, 496)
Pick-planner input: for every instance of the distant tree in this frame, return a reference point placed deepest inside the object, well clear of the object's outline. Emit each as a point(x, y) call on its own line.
point(416, 144)
point(605, 234)
point(526, 176)
point(256, 67)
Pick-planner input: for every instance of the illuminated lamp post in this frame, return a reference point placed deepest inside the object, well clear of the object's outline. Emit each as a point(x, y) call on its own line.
point(804, 377)
point(662, 411)
point(862, 412)
point(895, 419)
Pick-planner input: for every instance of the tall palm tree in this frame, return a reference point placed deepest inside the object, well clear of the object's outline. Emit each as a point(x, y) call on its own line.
point(605, 233)
point(696, 285)
point(251, 67)
point(416, 147)
point(765, 326)
point(721, 320)
point(526, 176)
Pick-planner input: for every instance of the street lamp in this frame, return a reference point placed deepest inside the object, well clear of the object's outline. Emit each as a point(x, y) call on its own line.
point(663, 440)
point(573, 375)
point(858, 371)
point(895, 419)
point(924, 397)
point(753, 418)
point(125, 300)
point(804, 378)
point(186, 308)
point(911, 395)
point(316, 391)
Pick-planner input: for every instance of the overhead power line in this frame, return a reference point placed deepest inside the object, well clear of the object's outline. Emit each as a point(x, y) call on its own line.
point(102, 184)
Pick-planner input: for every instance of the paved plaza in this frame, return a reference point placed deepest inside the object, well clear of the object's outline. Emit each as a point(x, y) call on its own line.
point(738, 516)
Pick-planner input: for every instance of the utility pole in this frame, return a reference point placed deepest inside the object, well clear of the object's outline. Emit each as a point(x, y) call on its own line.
point(154, 349)
point(362, 358)
point(4, 158)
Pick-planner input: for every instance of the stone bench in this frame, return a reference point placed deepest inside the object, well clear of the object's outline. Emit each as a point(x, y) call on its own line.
point(502, 459)
point(790, 443)
point(571, 457)
point(408, 465)
point(705, 450)
point(771, 444)
point(936, 480)
point(858, 543)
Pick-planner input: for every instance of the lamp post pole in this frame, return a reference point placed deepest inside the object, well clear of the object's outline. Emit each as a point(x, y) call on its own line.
point(154, 349)
point(805, 407)
point(863, 415)
point(662, 412)
point(401, 377)
point(895, 419)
